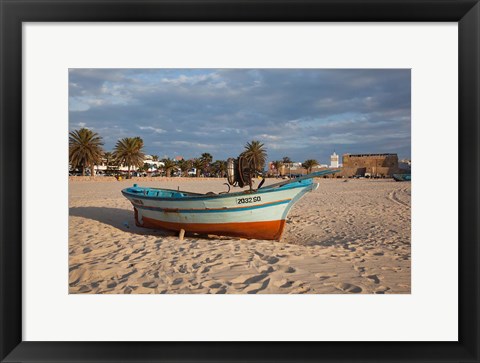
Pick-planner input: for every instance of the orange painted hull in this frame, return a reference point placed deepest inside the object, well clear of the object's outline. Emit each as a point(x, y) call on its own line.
point(269, 230)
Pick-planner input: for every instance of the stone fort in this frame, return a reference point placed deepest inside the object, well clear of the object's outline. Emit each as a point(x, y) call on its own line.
point(375, 165)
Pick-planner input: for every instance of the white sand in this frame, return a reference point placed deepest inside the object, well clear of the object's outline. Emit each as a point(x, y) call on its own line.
point(345, 237)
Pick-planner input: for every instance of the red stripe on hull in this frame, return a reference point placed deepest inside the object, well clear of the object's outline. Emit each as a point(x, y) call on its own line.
point(271, 230)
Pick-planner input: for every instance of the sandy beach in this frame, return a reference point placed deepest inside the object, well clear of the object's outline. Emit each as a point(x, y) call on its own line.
point(348, 236)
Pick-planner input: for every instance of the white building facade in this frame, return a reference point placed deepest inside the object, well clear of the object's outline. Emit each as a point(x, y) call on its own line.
point(334, 158)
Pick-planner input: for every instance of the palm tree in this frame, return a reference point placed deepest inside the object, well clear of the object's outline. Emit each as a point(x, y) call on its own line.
point(206, 159)
point(255, 152)
point(219, 167)
point(109, 161)
point(287, 161)
point(309, 164)
point(147, 166)
point(277, 165)
point(197, 164)
point(84, 149)
point(129, 151)
point(168, 165)
point(184, 165)
point(154, 157)
point(107, 157)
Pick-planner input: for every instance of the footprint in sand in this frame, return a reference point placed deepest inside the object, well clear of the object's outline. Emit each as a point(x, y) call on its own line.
point(374, 278)
point(267, 270)
point(255, 279)
point(323, 277)
point(248, 279)
point(280, 282)
point(84, 288)
point(74, 283)
point(286, 284)
point(254, 288)
point(124, 276)
point(222, 290)
point(360, 269)
point(350, 288)
point(272, 260)
point(150, 284)
point(381, 290)
point(74, 267)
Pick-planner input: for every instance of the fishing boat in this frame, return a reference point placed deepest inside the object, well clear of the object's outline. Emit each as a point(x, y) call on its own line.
point(402, 177)
point(256, 213)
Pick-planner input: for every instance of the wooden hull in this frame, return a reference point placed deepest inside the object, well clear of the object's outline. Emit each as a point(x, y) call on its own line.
point(256, 215)
point(271, 230)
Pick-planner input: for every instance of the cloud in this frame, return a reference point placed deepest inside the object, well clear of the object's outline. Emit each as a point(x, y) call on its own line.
point(150, 128)
point(300, 113)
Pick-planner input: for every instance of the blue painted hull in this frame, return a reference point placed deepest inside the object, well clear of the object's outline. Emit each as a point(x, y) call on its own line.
point(402, 177)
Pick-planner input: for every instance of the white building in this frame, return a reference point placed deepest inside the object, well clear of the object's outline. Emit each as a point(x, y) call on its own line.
point(155, 166)
point(334, 160)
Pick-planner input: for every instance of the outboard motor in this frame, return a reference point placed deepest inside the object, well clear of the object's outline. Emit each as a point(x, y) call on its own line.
point(241, 171)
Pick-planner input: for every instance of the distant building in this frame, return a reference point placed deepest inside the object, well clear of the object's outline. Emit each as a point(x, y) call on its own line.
point(102, 167)
point(334, 160)
point(374, 165)
point(405, 164)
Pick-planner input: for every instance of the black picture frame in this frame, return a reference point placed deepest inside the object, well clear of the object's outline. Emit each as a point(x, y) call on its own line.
point(14, 12)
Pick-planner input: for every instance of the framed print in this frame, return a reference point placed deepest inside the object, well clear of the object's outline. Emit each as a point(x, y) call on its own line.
point(239, 181)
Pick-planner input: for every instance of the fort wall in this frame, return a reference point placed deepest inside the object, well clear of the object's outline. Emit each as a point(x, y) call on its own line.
point(376, 165)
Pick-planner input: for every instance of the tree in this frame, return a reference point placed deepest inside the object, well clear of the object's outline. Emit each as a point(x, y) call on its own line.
point(197, 164)
point(255, 152)
point(110, 162)
point(206, 159)
point(129, 152)
point(147, 166)
point(154, 157)
point(309, 164)
point(85, 149)
point(288, 162)
point(219, 168)
point(108, 156)
point(278, 165)
point(184, 165)
point(168, 165)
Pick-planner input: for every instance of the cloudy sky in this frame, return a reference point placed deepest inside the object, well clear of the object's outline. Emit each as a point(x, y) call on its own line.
point(299, 113)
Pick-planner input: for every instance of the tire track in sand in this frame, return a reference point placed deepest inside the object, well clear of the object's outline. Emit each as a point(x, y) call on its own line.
point(394, 198)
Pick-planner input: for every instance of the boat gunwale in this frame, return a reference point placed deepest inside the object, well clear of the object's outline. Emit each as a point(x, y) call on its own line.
point(212, 196)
